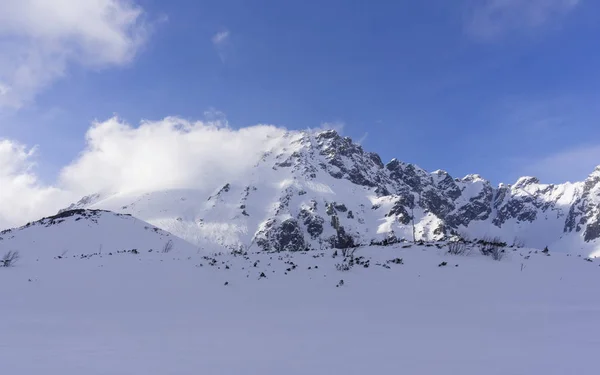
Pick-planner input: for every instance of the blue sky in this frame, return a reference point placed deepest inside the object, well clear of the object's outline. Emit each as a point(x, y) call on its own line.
point(500, 87)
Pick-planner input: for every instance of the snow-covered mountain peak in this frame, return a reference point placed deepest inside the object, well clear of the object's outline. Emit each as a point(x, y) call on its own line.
point(593, 179)
point(473, 178)
point(314, 189)
point(525, 181)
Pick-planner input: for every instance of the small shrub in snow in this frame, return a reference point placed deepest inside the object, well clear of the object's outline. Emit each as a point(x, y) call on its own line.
point(545, 251)
point(348, 252)
point(168, 247)
point(443, 264)
point(497, 253)
point(9, 259)
point(492, 247)
point(458, 248)
point(341, 283)
point(517, 242)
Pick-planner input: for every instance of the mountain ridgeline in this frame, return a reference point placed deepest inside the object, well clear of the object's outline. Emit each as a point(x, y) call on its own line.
point(314, 190)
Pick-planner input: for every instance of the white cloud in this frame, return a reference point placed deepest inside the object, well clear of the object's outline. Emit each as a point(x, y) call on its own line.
point(22, 196)
point(221, 42)
point(490, 19)
point(362, 139)
point(39, 39)
point(568, 165)
point(171, 153)
point(220, 38)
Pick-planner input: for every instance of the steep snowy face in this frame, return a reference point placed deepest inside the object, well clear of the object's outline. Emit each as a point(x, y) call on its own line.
point(83, 232)
point(310, 190)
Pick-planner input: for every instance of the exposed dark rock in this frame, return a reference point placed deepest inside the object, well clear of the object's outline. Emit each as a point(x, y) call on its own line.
point(312, 222)
point(287, 236)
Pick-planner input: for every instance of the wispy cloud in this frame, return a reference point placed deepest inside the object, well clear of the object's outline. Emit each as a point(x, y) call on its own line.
point(222, 43)
point(541, 136)
point(4, 89)
point(362, 139)
point(39, 40)
point(220, 38)
point(566, 165)
point(538, 115)
point(489, 20)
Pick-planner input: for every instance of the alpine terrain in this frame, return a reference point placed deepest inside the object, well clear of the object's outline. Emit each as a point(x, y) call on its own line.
point(316, 190)
point(320, 259)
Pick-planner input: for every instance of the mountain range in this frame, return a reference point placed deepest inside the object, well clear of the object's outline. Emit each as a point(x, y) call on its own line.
point(315, 190)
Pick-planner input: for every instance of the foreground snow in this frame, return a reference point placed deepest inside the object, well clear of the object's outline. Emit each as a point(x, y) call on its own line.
point(152, 313)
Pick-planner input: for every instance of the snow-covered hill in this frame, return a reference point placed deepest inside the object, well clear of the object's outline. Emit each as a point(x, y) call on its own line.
point(315, 190)
point(156, 314)
point(79, 232)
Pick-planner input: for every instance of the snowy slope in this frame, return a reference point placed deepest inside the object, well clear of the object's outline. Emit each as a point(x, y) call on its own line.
point(78, 233)
point(315, 190)
point(159, 314)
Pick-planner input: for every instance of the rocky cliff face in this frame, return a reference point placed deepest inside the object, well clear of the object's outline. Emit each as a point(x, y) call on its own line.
point(319, 190)
point(584, 213)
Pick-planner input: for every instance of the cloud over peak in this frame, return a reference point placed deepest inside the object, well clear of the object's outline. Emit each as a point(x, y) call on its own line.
point(172, 153)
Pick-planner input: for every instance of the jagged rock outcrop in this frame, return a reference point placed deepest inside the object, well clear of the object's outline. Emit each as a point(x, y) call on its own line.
point(283, 236)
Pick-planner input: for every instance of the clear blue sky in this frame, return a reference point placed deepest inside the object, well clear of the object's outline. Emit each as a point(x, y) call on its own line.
point(500, 88)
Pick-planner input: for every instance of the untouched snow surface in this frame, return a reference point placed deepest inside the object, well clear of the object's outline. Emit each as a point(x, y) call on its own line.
point(153, 313)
